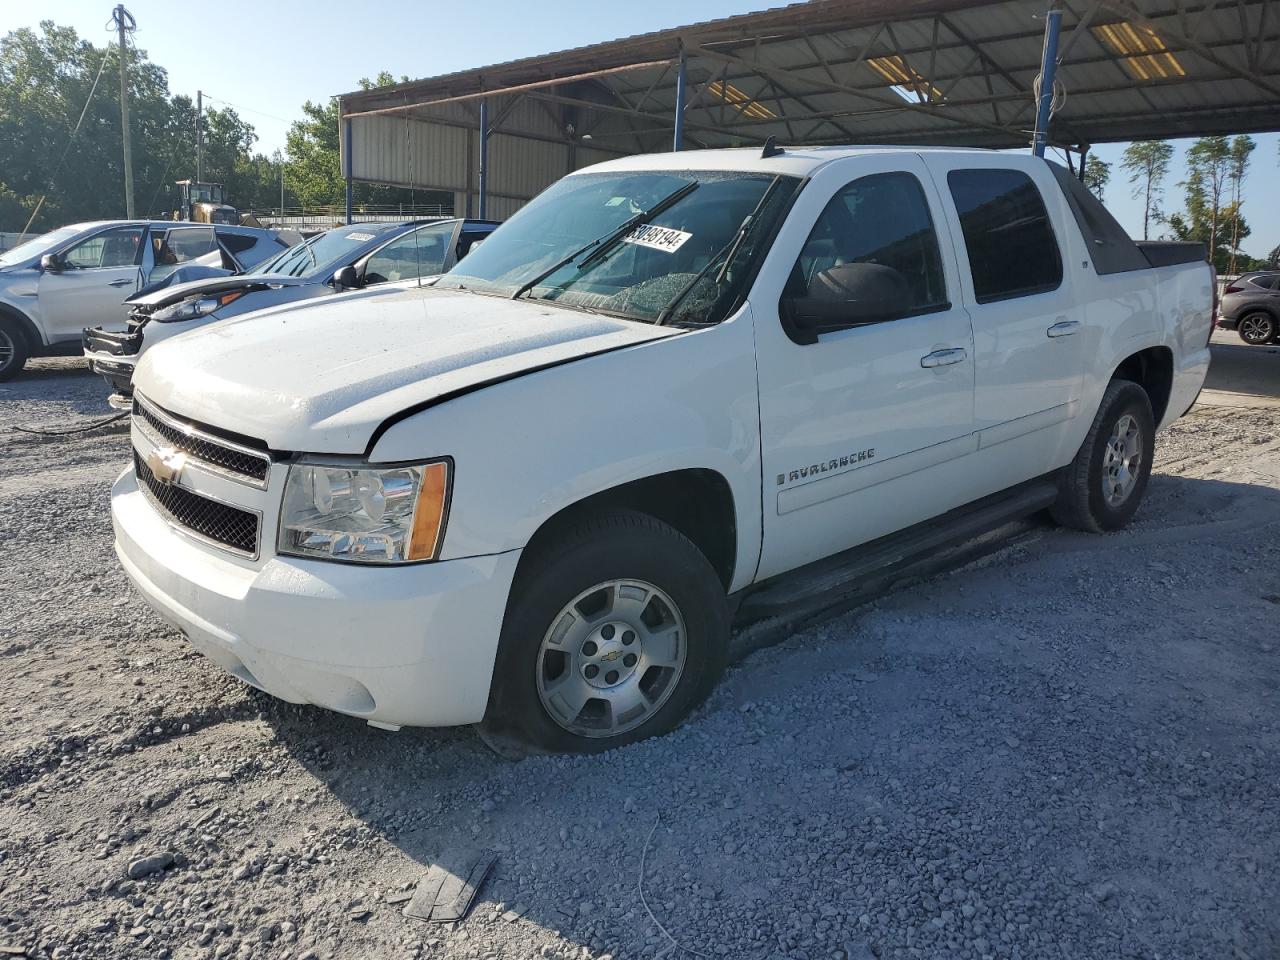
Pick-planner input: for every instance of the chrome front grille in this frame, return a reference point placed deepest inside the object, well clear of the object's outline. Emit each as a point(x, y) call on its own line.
point(224, 456)
point(219, 523)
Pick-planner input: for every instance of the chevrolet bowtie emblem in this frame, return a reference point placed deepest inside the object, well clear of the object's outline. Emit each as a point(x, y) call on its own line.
point(165, 464)
point(611, 656)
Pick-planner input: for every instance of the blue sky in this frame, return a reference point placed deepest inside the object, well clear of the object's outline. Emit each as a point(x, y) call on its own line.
point(273, 55)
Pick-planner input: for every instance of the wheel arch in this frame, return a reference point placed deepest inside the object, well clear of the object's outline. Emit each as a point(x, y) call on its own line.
point(35, 343)
point(698, 502)
point(1151, 369)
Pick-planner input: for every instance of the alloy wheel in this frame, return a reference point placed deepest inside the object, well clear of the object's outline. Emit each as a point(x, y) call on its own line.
point(611, 658)
point(1256, 328)
point(1121, 460)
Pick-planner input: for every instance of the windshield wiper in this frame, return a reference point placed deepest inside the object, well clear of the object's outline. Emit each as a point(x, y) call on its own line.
point(727, 253)
point(603, 244)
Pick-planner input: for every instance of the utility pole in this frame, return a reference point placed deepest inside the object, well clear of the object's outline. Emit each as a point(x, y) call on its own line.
point(199, 136)
point(125, 23)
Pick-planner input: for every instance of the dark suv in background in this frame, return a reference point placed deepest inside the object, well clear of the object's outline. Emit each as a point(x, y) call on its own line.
point(1251, 306)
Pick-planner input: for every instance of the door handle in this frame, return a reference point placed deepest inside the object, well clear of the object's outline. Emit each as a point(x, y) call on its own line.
point(119, 283)
point(1064, 328)
point(942, 358)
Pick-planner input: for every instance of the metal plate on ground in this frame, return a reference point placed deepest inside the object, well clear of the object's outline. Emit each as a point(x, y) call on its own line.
point(445, 894)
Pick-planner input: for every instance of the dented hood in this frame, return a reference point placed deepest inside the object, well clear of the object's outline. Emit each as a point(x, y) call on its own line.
point(322, 377)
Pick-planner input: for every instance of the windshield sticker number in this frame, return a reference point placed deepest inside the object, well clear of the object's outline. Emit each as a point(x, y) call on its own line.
point(657, 238)
point(362, 237)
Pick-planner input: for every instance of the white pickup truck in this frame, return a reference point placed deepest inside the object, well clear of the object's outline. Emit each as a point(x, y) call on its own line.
point(671, 391)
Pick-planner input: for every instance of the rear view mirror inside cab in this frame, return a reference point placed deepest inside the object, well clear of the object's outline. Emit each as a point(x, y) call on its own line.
point(847, 295)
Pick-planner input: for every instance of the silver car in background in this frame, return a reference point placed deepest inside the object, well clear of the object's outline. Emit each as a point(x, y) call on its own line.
point(54, 286)
point(351, 257)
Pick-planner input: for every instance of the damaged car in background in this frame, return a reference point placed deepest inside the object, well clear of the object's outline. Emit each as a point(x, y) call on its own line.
point(55, 285)
point(343, 258)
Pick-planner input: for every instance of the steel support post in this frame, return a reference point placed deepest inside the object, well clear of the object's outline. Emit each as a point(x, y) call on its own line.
point(678, 135)
point(1048, 72)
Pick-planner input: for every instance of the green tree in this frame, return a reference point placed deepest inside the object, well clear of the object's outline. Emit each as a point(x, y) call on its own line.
point(46, 78)
point(1209, 167)
point(1096, 174)
point(1147, 163)
point(1241, 148)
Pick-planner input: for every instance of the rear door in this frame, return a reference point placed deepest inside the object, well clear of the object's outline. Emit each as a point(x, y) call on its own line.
point(1028, 325)
point(855, 426)
point(98, 274)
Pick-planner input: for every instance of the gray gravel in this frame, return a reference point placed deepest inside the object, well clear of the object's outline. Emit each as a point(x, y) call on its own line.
point(1069, 749)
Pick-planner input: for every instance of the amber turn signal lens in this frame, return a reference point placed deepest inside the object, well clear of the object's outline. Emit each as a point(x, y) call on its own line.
point(428, 515)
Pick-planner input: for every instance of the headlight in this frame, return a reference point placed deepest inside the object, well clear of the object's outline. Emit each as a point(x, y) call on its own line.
point(365, 514)
point(190, 309)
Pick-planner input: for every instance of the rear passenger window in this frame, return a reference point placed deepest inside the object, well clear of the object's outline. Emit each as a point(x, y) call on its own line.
point(882, 219)
point(1012, 250)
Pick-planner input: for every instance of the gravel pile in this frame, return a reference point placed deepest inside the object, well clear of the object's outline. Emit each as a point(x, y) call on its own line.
point(1070, 748)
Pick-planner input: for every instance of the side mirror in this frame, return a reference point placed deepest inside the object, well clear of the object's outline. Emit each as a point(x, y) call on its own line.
point(346, 278)
point(844, 296)
point(51, 263)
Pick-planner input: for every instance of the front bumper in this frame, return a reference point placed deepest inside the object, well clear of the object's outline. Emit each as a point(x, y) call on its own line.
point(412, 645)
point(1228, 323)
point(113, 355)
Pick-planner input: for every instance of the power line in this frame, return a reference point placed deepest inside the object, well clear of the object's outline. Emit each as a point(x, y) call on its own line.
point(237, 106)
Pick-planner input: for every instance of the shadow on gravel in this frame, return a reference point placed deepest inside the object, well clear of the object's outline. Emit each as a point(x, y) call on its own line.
point(970, 761)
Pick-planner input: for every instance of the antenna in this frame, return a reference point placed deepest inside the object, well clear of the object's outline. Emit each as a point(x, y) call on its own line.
point(771, 149)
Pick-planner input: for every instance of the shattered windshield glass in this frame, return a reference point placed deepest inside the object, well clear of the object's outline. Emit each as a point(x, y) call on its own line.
point(680, 264)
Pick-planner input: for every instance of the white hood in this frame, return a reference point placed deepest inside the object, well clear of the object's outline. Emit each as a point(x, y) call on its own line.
point(321, 377)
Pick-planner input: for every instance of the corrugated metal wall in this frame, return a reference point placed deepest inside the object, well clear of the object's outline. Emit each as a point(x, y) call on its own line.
point(439, 148)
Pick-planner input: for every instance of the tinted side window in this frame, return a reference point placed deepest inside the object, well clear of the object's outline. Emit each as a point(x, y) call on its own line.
point(237, 242)
point(1012, 250)
point(111, 248)
point(883, 219)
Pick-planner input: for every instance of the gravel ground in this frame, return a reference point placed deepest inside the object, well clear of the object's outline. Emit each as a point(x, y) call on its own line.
point(1068, 749)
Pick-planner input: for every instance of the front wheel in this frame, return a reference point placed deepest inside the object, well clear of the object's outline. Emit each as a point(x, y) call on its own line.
point(1257, 328)
point(613, 633)
point(13, 350)
point(1101, 488)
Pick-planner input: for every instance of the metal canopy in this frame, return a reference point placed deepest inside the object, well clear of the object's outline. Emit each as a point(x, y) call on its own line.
point(951, 72)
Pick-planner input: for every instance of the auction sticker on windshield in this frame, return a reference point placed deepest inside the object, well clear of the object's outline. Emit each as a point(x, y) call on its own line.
point(361, 237)
point(658, 238)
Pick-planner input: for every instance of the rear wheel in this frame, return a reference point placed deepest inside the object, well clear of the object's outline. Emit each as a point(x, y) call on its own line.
point(1257, 328)
point(613, 634)
point(1103, 486)
point(13, 349)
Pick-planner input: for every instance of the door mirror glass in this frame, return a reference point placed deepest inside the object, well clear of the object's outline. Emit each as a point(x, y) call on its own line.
point(850, 295)
point(50, 263)
point(344, 278)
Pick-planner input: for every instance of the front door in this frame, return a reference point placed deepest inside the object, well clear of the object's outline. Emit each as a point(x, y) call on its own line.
point(856, 425)
point(97, 274)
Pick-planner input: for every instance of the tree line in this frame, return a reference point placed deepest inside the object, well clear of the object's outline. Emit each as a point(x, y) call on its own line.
point(49, 77)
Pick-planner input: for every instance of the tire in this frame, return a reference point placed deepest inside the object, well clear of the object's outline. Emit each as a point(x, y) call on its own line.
point(13, 349)
point(1257, 327)
point(1100, 491)
point(612, 583)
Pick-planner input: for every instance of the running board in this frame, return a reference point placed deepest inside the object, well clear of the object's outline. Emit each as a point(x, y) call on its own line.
point(831, 578)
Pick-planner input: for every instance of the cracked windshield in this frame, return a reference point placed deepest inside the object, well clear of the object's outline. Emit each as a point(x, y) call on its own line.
point(661, 246)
